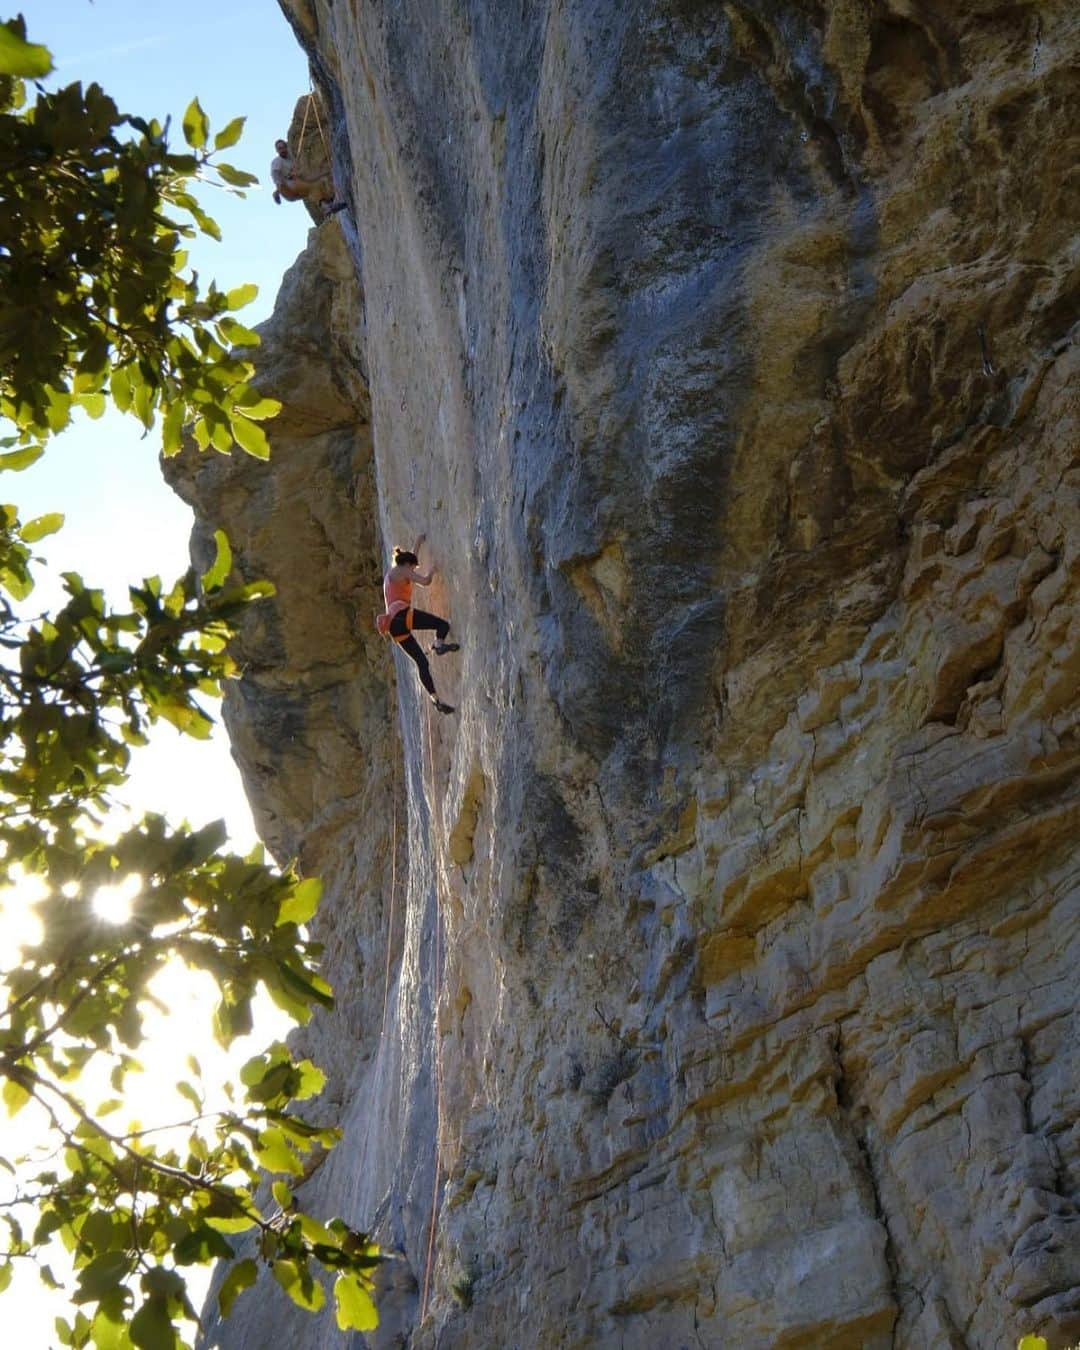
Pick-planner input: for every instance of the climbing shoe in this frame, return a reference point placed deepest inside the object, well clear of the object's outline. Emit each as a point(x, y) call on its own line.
point(441, 706)
point(441, 648)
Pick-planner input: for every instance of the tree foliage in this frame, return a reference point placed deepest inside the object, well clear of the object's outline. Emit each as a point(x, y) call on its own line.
point(95, 299)
point(96, 305)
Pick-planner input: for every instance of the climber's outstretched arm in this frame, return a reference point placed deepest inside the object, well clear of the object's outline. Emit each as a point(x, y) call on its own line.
point(421, 578)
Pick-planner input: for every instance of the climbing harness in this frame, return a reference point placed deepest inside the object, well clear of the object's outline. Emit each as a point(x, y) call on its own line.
point(393, 609)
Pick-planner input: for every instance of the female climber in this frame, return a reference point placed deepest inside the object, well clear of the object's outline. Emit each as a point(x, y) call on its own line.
point(401, 619)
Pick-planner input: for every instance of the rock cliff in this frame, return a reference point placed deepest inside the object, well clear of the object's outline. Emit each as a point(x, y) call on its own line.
point(710, 977)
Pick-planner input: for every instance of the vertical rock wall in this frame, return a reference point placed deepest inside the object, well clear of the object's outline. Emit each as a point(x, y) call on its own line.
point(727, 935)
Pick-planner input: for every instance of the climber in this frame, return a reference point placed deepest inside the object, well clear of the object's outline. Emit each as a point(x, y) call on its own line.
point(400, 619)
point(290, 186)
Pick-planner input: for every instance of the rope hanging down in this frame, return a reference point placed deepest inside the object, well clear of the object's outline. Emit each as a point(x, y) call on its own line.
point(313, 102)
point(436, 1051)
point(393, 895)
point(303, 127)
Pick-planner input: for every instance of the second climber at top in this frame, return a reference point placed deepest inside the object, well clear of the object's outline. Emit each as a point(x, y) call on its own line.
point(289, 185)
point(401, 618)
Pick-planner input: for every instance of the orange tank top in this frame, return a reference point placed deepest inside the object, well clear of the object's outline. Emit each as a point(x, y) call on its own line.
point(397, 592)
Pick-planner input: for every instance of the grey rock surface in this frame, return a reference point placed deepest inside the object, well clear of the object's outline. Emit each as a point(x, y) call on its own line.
point(710, 978)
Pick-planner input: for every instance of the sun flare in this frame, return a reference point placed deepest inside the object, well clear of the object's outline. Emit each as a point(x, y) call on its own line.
point(114, 903)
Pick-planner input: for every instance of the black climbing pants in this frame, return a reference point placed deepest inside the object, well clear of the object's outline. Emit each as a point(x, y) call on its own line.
point(409, 645)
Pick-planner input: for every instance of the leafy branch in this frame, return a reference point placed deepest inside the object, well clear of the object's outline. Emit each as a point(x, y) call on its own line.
point(96, 299)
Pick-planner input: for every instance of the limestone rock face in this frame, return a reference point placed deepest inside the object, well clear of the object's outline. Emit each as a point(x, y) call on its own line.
point(709, 978)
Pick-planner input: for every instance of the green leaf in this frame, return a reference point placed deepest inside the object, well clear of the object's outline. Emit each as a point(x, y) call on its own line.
point(41, 526)
point(355, 1307)
point(172, 428)
point(312, 1080)
point(242, 1276)
point(307, 986)
point(257, 408)
point(234, 332)
point(5, 1269)
point(221, 438)
point(15, 1096)
point(214, 577)
point(206, 223)
point(104, 1274)
point(230, 133)
point(142, 399)
point(185, 718)
point(238, 178)
point(304, 1291)
point(257, 1067)
point(250, 437)
point(120, 387)
point(196, 125)
point(202, 1245)
point(282, 1194)
point(161, 1282)
point(1031, 1343)
point(274, 1153)
point(238, 1223)
point(58, 414)
point(255, 590)
point(22, 459)
point(302, 903)
point(152, 1328)
point(240, 296)
point(98, 1231)
point(27, 60)
point(188, 1092)
point(107, 1333)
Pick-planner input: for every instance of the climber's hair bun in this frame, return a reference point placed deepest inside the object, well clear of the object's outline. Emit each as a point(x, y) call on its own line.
point(403, 556)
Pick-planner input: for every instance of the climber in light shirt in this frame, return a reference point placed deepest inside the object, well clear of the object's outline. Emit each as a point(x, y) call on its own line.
point(290, 187)
point(400, 618)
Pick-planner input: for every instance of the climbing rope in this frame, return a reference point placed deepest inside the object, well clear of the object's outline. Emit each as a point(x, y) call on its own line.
point(313, 101)
point(393, 894)
point(437, 1055)
point(303, 125)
